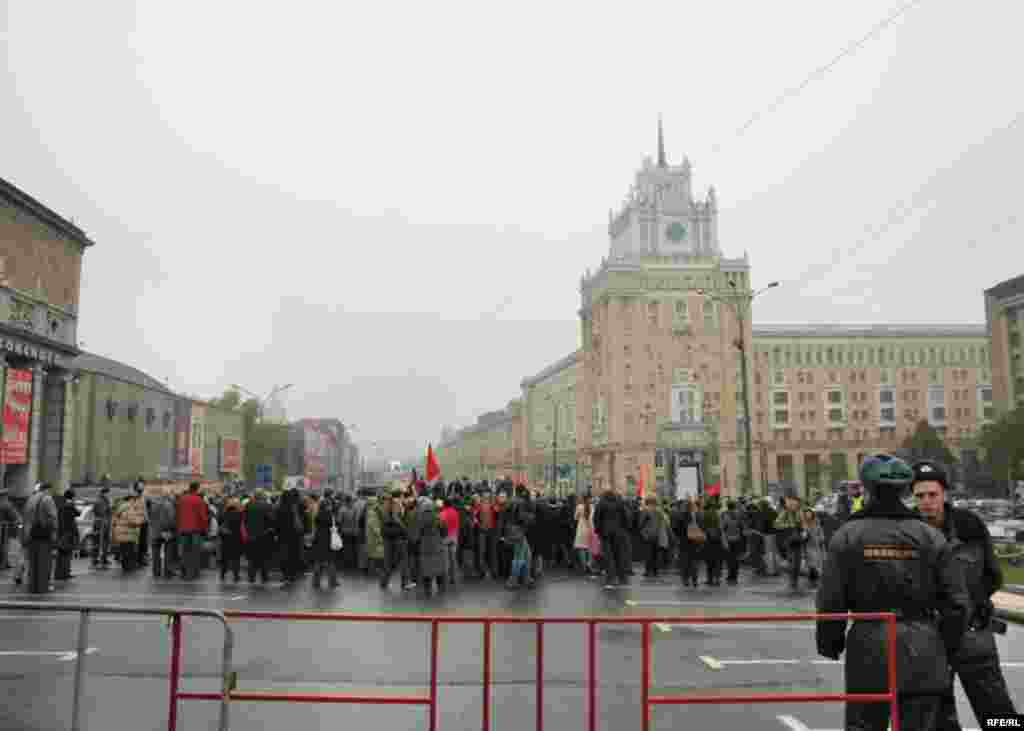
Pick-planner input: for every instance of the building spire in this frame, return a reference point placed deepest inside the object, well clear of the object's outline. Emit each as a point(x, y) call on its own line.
point(661, 146)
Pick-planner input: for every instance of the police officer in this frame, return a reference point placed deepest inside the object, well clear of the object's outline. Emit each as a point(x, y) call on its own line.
point(977, 662)
point(886, 558)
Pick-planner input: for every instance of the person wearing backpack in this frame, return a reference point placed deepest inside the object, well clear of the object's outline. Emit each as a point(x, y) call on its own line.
point(732, 532)
point(38, 534)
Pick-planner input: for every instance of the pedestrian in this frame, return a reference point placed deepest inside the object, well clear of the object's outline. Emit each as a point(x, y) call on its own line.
point(126, 528)
point(654, 532)
point(714, 545)
point(102, 513)
point(348, 519)
point(429, 532)
point(192, 522)
point(450, 516)
point(38, 535)
point(67, 534)
point(291, 530)
point(886, 558)
point(732, 533)
point(163, 539)
point(584, 535)
point(230, 528)
point(977, 660)
point(259, 536)
point(325, 524)
point(487, 552)
point(9, 521)
point(410, 569)
point(519, 517)
point(395, 541)
point(374, 543)
point(688, 525)
point(139, 487)
point(814, 546)
point(611, 525)
point(789, 535)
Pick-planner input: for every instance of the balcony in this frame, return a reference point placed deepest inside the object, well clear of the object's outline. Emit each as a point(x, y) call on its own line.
point(24, 311)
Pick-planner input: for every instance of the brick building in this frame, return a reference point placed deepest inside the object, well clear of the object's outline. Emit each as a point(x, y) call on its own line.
point(656, 380)
point(40, 277)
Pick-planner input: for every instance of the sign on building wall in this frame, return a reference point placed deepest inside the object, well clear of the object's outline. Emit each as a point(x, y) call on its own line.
point(230, 455)
point(182, 436)
point(198, 438)
point(17, 410)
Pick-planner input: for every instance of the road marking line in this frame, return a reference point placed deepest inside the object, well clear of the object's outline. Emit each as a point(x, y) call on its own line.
point(793, 723)
point(63, 655)
point(711, 662)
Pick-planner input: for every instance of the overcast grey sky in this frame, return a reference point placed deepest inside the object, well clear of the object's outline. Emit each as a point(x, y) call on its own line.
point(391, 204)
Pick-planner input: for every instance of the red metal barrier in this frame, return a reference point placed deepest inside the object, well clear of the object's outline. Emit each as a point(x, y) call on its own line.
point(591, 623)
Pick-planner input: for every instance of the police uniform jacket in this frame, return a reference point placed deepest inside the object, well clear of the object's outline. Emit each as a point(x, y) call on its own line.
point(886, 558)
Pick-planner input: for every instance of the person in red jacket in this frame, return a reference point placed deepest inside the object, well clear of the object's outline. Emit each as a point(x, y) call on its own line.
point(450, 516)
point(193, 521)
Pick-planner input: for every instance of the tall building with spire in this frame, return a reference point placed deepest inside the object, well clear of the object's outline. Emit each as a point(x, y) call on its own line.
point(659, 376)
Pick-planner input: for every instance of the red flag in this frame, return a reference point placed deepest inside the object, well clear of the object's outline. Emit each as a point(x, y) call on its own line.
point(642, 489)
point(714, 488)
point(433, 468)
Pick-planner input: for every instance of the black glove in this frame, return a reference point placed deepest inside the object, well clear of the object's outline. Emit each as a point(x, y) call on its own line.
point(831, 639)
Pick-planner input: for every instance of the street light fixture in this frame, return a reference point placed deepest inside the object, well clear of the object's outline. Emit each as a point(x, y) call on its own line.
point(261, 401)
point(740, 302)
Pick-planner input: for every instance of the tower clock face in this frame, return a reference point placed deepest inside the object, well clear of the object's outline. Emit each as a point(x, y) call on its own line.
point(676, 231)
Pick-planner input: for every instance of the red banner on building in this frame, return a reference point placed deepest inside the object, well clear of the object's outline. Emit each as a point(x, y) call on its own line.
point(17, 410)
point(230, 455)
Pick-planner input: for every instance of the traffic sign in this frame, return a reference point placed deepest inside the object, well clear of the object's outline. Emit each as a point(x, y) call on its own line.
point(265, 474)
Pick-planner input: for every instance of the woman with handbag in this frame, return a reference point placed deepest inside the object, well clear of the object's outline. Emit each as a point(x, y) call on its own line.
point(688, 525)
point(326, 541)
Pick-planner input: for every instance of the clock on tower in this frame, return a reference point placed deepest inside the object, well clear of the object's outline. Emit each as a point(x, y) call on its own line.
point(675, 232)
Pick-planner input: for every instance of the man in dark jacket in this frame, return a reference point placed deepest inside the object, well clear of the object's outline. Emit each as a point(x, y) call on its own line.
point(887, 558)
point(259, 526)
point(977, 661)
point(67, 534)
point(611, 524)
point(101, 516)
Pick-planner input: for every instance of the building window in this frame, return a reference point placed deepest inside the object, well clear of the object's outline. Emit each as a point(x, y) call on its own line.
point(888, 414)
point(835, 397)
point(887, 396)
point(835, 415)
point(780, 398)
point(781, 417)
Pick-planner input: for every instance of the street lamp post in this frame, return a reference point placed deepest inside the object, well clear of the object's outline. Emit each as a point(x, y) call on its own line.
point(740, 302)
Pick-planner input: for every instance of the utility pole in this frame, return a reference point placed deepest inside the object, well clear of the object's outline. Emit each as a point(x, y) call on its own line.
point(741, 305)
point(554, 451)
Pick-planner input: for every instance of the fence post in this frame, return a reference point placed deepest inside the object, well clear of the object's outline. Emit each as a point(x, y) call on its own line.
point(172, 717)
point(592, 675)
point(433, 674)
point(645, 676)
point(894, 706)
point(487, 676)
point(83, 638)
point(540, 675)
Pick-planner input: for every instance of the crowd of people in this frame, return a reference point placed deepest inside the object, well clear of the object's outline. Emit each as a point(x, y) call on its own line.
point(430, 536)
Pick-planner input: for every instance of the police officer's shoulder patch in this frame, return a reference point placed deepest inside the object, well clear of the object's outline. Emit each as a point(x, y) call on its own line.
point(890, 552)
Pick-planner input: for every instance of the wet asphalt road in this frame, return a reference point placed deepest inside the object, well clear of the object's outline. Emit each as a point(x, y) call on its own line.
point(126, 684)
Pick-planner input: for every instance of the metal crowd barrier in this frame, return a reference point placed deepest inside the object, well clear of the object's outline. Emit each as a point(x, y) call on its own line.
point(175, 615)
point(647, 700)
point(228, 692)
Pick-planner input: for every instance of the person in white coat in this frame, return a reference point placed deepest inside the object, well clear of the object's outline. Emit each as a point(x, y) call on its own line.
point(584, 534)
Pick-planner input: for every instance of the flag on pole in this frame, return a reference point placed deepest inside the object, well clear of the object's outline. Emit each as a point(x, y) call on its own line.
point(714, 488)
point(433, 468)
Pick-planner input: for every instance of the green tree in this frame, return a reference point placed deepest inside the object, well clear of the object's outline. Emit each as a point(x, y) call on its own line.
point(1003, 445)
point(230, 400)
point(925, 443)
